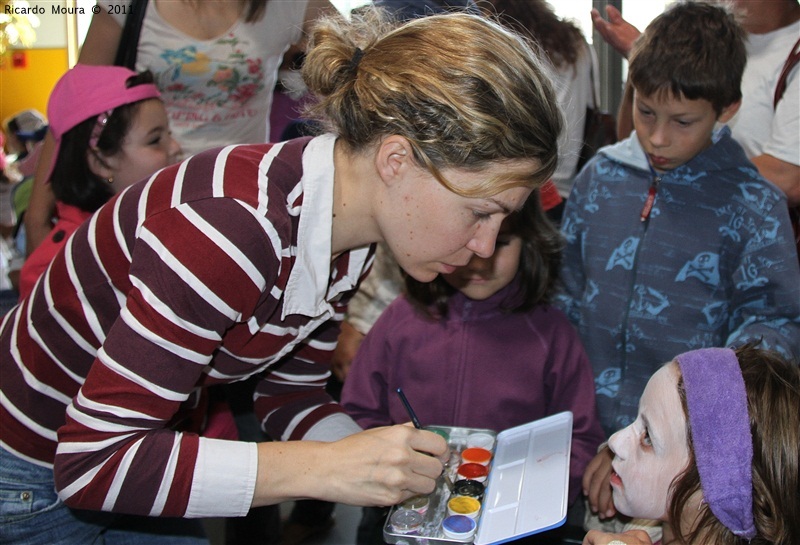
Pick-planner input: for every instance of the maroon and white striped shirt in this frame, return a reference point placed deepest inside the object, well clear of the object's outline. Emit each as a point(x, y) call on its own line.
point(211, 271)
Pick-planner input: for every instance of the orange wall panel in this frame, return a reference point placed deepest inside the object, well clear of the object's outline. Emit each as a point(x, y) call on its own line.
point(22, 88)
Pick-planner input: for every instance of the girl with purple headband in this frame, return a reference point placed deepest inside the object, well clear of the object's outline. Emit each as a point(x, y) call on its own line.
point(714, 452)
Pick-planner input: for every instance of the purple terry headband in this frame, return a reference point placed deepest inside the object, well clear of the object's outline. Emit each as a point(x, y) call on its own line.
point(720, 426)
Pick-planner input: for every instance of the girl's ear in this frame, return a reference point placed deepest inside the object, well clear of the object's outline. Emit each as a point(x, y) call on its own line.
point(100, 164)
point(394, 156)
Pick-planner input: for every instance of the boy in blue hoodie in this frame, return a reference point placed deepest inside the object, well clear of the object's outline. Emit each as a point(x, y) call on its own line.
point(674, 241)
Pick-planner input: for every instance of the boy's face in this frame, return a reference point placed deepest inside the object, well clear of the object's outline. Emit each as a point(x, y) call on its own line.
point(672, 130)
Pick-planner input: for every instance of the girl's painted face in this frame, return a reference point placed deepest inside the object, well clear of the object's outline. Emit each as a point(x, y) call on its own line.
point(483, 277)
point(147, 147)
point(652, 451)
point(432, 230)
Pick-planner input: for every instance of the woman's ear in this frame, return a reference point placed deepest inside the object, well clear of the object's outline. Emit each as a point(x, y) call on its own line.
point(393, 158)
point(100, 164)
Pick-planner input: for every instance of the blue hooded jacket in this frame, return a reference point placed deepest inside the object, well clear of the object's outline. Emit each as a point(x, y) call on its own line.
point(714, 264)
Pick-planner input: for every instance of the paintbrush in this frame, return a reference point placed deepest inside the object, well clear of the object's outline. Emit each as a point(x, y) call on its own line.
point(415, 421)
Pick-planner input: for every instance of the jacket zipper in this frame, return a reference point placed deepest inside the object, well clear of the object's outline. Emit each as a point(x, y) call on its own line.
point(644, 215)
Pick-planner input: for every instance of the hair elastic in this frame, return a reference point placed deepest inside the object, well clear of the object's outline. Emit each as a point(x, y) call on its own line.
point(358, 54)
point(720, 429)
point(98, 128)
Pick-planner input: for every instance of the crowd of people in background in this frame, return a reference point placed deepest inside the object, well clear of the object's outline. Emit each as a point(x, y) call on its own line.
point(206, 311)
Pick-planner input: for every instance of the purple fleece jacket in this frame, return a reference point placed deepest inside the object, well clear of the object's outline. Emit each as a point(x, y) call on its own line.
point(481, 367)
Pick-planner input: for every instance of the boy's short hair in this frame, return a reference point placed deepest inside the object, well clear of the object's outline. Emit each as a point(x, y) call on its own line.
point(693, 49)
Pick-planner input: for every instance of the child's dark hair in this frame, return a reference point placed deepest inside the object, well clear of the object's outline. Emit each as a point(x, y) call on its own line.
point(539, 262)
point(73, 182)
point(560, 39)
point(692, 49)
point(773, 403)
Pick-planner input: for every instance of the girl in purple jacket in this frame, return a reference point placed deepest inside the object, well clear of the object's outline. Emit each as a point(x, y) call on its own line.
point(481, 347)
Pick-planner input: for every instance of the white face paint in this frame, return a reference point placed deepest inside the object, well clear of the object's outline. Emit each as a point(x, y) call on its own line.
point(652, 451)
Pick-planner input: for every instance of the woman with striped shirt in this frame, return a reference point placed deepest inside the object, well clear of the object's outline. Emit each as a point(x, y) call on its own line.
point(239, 262)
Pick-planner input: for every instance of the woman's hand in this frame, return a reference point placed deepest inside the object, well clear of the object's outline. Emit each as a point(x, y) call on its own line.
point(596, 484)
point(382, 467)
point(634, 537)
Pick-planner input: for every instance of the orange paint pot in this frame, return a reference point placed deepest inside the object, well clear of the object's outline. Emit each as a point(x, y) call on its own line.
point(476, 455)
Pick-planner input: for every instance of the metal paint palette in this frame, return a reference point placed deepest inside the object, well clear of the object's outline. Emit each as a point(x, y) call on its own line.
point(526, 490)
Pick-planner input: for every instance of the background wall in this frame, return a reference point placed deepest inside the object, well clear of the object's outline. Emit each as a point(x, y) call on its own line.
point(29, 87)
point(29, 74)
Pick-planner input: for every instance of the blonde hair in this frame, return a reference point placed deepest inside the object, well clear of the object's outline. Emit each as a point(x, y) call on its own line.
point(462, 90)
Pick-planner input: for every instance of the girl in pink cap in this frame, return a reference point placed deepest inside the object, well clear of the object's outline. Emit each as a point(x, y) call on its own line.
point(714, 452)
point(111, 130)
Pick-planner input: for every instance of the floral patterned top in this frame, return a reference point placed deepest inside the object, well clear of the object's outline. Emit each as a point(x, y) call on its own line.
point(218, 91)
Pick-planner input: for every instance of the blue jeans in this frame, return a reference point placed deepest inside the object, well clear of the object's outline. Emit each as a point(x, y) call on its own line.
point(32, 514)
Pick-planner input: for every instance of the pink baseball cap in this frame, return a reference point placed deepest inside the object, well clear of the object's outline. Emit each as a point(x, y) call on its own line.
point(87, 91)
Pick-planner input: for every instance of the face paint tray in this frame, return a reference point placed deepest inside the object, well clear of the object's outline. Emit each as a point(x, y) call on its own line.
point(526, 488)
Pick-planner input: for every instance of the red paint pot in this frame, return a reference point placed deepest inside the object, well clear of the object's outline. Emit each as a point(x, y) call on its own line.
point(475, 472)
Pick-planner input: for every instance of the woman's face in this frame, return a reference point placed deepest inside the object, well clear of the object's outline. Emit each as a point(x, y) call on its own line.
point(432, 230)
point(652, 451)
point(148, 146)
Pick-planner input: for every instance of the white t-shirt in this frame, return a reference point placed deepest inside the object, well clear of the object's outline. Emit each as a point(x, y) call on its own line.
point(757, 126)
point(218, 91)
point(573, 85)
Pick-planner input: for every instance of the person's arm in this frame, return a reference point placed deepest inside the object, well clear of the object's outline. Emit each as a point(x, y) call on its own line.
point(778, 158)
point(118, 450)
point(619, 34)
point(634, 537)
point(102, 39)
point(783, 174)
point(616, 31)
point(377, 467)
point(362, 468)
point(38, 219)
